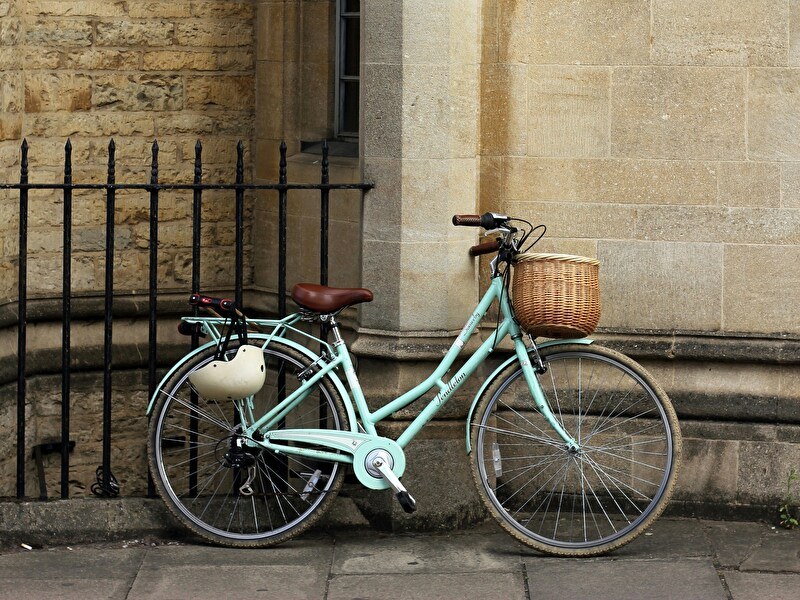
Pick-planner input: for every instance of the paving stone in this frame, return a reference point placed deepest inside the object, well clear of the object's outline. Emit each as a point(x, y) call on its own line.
point(66, 588)
point(428, 586)
point(756, 586)
point(669, 538)
point(733, 542)
point(778, 553)
point(603, 578)
point(368, 552)
point(298, 569)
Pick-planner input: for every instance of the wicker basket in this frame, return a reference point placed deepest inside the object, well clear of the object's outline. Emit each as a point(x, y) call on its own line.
point(556, 295)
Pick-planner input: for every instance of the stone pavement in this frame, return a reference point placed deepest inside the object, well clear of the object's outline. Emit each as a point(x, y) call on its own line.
point(676, 558)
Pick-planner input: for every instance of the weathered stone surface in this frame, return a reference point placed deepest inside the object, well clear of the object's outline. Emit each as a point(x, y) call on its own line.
point(179, 61)
point(709, 469)
point(763, 469)
point(511, 36)
point(213, 34)
point(641, 287)
point(678, 113)
point(504, 96)
point(626, 181)
point(749, 184)
point(214, 9)
point(123, 32)
point(773, 103)
point(149, 10)
point(59, 32)
point(568, 111)
point(574, 220)
point(11, 92)
point(10, 31)
point(718, 224)
point(794, 34)
point(100, 59)
point(605, 32)
point(92, 8)
point(720, 32)
point(46, 92)
point(227, 92)
point(138, 92)
point(382, 99)
point(65, 125)
point(758, 289)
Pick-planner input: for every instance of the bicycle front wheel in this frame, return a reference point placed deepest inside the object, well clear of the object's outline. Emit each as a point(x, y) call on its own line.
point(220, 484)
point(576, 502)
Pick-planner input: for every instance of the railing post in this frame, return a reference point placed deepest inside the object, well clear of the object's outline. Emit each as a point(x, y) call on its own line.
point(196, 241)
point(153, 337)
point(66, 311)
point(239, 277)
point(23, 317)
point(324, 227)
point(282, 194)
point(108, 478)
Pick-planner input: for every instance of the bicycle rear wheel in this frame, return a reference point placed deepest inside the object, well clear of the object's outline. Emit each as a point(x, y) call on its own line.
point(586, 502)
point(202, 466)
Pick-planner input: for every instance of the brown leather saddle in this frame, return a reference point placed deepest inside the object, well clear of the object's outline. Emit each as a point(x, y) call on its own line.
point(324, 299)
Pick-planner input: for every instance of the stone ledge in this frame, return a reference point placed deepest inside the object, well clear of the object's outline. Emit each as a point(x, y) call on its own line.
point(84, 520)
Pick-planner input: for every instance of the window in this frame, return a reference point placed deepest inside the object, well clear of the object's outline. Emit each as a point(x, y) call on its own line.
point(348, 47)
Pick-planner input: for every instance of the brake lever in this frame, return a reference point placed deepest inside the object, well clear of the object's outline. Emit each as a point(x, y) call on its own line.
point(502, 230)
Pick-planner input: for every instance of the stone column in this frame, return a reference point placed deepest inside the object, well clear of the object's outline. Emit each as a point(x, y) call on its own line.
point(419, 135)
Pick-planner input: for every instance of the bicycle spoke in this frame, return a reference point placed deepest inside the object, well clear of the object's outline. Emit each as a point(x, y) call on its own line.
point(582, 499)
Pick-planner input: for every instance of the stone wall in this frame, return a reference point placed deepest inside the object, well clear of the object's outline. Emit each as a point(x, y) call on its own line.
point(134, 71)
point(174, 71)
point(661, 137)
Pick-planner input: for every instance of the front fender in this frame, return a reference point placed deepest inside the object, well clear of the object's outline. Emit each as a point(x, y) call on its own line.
point(264, 338)
point(498, 370)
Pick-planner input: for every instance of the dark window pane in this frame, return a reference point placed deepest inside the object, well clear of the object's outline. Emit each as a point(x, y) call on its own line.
point(352, 6)
point(349, 107)
point(352, 47)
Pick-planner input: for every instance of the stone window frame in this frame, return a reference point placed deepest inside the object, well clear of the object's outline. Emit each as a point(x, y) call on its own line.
point(345, 106)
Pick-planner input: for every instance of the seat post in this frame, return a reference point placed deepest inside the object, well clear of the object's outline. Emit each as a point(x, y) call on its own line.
point(334, 327)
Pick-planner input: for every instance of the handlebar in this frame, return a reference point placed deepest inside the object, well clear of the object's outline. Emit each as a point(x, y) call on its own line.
point(467, 220)
point(224, 306)
point(485, 248)
point(487, 220)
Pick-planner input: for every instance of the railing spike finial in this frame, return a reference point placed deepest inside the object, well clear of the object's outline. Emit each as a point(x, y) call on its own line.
point(112, 161)
point(240, 162)
point(325, 163)
point(282, 164)
point(68, 161)
point(23, 165)
point(198, 162)
point(154, 163)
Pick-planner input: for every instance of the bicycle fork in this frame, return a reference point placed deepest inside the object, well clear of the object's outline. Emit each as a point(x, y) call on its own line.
point(529, 373)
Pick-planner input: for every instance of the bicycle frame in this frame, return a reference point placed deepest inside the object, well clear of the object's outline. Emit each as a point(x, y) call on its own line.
point(340, 358)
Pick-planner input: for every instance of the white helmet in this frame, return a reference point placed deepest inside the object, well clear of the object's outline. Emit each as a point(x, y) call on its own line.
point(240, 377)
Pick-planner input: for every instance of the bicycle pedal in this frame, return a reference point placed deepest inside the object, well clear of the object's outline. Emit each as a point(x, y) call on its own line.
point(407, 501)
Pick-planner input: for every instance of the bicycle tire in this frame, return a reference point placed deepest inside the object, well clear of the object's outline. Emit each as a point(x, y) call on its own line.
point(582, 503)
point(199, 476)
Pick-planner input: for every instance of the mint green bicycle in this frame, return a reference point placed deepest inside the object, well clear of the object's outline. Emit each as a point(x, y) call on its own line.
point(574, 448)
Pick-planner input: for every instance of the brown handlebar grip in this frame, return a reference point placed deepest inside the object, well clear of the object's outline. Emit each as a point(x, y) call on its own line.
point(467, 220)
point(485, 248)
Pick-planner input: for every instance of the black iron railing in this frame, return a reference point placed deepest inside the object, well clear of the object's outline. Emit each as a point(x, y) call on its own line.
point(106, 484)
